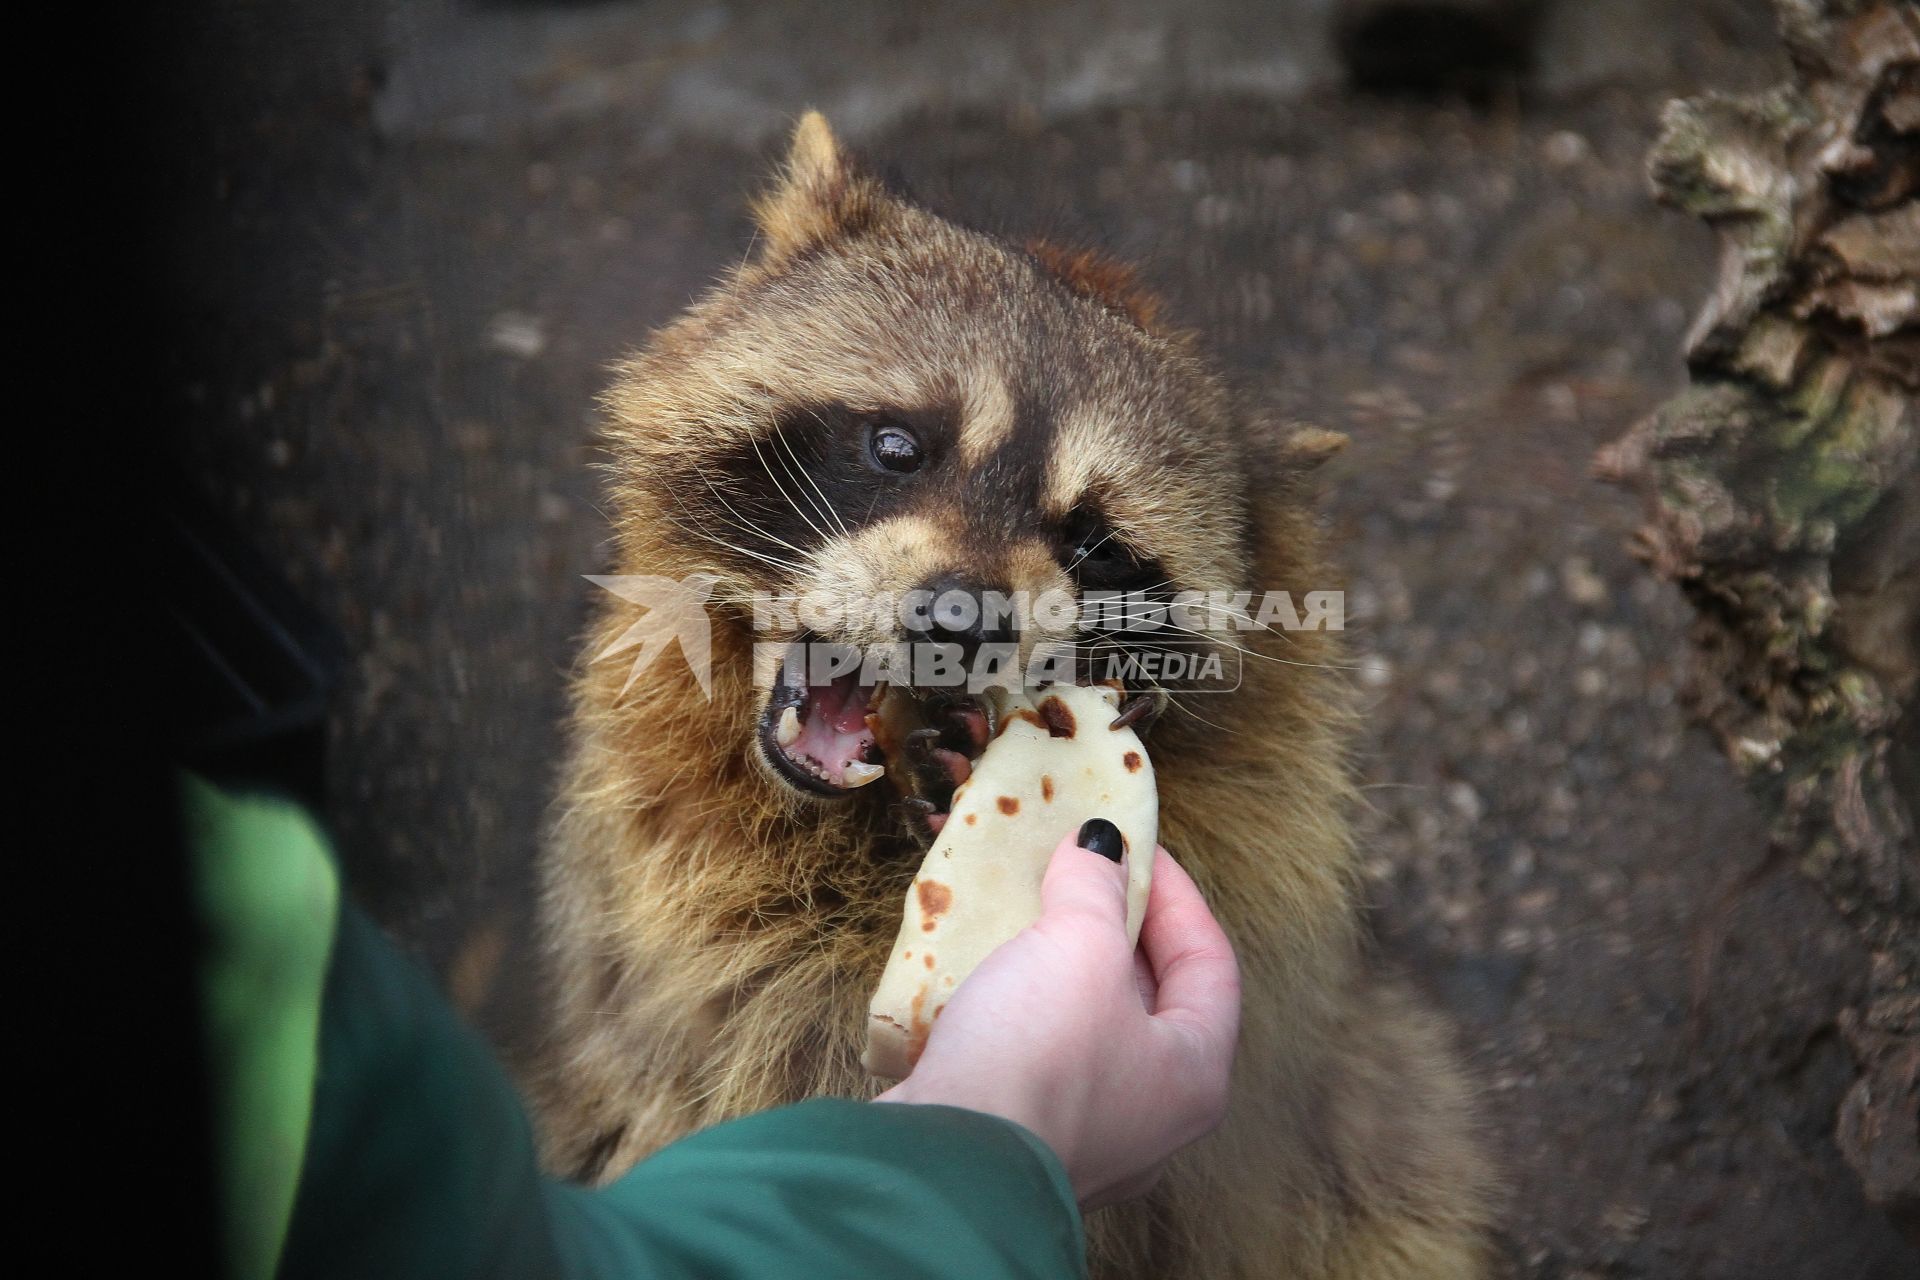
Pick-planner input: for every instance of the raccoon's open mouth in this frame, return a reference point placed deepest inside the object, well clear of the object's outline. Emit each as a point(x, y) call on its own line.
point(838, 736)
point(823, 738)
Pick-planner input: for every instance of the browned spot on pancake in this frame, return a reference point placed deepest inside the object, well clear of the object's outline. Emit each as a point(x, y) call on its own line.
point(1046, 786)
point(906, 955)
point(1132, 761)
point(1009, 805)
point(972, 818)
point(935, 898)
point(917, 1028)
point(1058, 718)
point(1024, 714)
point(929, 958)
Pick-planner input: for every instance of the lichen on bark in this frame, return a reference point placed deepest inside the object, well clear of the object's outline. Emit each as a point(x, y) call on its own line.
point(1783, 496)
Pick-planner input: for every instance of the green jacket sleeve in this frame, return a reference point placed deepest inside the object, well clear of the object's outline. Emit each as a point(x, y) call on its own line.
point(833, 1188)
point(419, 1163)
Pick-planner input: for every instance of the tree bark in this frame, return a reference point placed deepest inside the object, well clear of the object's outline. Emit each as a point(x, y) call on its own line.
point(1783, 496)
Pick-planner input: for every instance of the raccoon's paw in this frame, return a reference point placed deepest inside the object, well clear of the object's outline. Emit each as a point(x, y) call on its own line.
point(939, 759)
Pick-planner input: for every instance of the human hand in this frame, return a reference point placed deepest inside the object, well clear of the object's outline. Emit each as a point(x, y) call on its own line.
point(1116, 1058)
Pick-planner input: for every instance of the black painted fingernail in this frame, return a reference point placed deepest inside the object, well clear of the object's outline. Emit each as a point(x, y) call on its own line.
point(1102, 837)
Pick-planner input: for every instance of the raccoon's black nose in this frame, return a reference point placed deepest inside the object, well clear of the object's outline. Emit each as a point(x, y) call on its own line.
point(961, 612)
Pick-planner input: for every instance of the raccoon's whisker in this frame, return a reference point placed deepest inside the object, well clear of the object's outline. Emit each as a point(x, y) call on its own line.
point(736, 599)
point(1212, 608)
point(1251, 621)
point(699, 529)
point(775, 477)
point(745, 525)
point(1174, 701)
point(695, 531)
point(740, 519)
point(1104, 640)
point(751, 599)
point(825, 513)
point(709, 537)
point(1253, 653)
point(1132, 591)
point(1271, 630)
point(762, 556)
point(826, 505)
point(1146, 609)
point(1126, 612)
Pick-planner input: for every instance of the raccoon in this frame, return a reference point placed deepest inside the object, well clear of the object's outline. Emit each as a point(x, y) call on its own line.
point(879, 401)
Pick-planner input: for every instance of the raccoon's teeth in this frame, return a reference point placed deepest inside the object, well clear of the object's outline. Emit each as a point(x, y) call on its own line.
point(858, 773)
point(788, 731)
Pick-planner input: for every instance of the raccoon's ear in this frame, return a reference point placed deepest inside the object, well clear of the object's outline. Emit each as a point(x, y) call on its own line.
point(821, 195)
point(1304, 447)
point(1113, 284)
point(1283, 455)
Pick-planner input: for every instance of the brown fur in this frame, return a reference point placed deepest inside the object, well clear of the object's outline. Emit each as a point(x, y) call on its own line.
point(714, 937)
point(1100, 277)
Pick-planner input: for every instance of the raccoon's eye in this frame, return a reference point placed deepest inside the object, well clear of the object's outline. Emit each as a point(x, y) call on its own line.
point(894, 448)
point(1097, 550)
point(1097, 556)
point(1087, 539)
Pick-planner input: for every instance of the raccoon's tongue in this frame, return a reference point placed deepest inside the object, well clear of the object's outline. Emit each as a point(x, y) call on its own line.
point(827, 735)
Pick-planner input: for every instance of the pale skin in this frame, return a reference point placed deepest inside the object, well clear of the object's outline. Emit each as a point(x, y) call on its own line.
point(1116, 1057)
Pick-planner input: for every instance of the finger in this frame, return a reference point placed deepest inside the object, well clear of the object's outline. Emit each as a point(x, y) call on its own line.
point(1081, 885)
point(1199, 979)
point(1143, 981)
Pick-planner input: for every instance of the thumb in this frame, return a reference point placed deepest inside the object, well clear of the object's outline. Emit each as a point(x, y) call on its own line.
point(1087, 878)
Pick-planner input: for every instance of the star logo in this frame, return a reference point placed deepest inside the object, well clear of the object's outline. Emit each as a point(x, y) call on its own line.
point(673, 611)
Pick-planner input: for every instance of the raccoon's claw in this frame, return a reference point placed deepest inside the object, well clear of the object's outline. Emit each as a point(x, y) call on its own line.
point(934, 770)
point(934, 764)
point(924, 818)
point(922, 773)
point(1141, 711)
